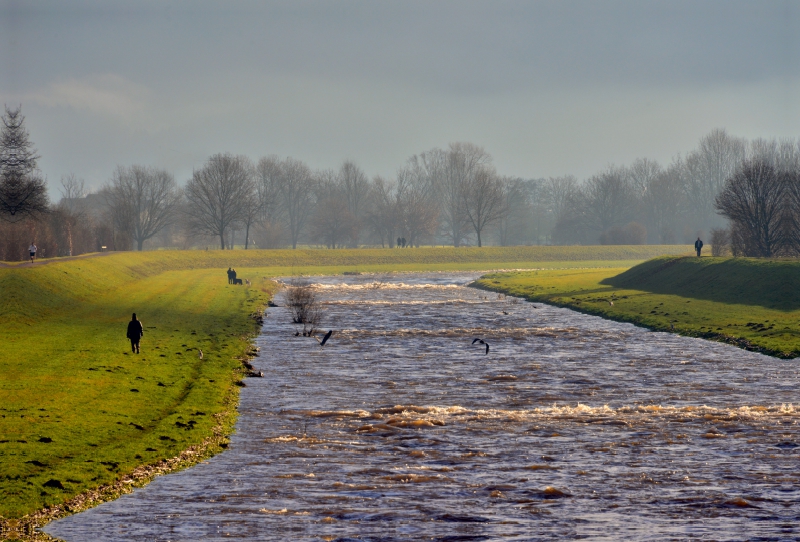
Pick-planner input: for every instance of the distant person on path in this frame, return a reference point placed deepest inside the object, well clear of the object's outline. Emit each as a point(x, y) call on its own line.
point(398, 242)
point(32, 251)
point(230, 276)
point(135, 332)
point(698, 246)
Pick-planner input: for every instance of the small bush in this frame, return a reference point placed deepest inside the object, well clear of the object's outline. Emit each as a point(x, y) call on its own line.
point(720, 241)
point(304, 306)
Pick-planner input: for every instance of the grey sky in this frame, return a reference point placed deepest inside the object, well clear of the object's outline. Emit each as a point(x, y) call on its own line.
point(548, 88)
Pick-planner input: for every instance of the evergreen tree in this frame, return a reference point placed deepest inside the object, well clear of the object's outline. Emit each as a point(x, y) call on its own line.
point(23, 192)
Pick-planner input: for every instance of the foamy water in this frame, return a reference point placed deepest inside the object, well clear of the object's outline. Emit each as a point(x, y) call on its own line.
point(401, 429)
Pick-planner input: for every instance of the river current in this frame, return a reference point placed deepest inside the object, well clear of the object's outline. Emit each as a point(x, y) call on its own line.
point(399, 428)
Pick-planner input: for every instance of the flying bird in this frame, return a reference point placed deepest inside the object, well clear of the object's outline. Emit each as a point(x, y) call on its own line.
point(481, 341)
point(325, 338)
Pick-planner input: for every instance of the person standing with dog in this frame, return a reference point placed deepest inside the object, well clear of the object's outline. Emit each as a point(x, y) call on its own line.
point(135, 332)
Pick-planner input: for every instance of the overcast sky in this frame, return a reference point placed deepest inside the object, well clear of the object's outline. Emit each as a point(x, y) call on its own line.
point(548, 88)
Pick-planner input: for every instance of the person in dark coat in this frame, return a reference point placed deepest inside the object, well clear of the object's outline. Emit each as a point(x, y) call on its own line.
point(698, 246)
point(233, 276)
point(135, 332)
point(230, 276)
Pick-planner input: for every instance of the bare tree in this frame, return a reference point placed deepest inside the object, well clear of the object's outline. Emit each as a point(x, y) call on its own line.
point(484, 202)
point(641, 173)
point(333, 222)
point(663, 204)
point(792, 208)
point(721, 154)
point(512, 224)
point(559, 191)
point(23, 192)
point(268, 177)
point(354, 186)
point(453, 172)
point(146, 197)
point(754, 199)
point(610, 199)
point(218, 195)
point(716, 159)
point(70, 213)
point(252, 212)
point(383, 210)
point(296, 196)
point(417, 209)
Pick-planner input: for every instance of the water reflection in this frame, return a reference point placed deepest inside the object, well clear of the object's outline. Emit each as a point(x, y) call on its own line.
point(401, 429)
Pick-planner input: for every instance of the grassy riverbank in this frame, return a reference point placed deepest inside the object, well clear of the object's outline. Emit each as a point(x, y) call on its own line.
point(79, 412)
point(754, 304)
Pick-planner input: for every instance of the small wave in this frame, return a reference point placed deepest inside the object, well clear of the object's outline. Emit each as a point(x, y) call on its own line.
point(384, 286)
point(428, 416)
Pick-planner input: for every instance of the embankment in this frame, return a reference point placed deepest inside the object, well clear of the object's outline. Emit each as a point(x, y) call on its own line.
point(753, 304)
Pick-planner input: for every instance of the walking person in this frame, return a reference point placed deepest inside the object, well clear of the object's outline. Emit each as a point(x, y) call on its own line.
point(698, 246)
point(135, 332)
point(32, 251)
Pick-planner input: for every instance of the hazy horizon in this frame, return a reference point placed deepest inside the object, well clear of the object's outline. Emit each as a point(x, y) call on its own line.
point(547, 88)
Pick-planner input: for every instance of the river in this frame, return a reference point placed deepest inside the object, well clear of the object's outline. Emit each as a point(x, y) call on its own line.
point(401, 429)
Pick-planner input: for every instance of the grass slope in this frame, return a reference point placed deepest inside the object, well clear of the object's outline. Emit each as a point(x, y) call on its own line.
point(750, 303)
point(78, 410)
point(70, 420)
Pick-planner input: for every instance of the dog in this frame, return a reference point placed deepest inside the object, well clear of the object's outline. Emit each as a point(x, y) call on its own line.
point(238, 281)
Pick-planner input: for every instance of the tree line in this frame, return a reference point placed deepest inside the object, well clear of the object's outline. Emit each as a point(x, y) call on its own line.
point(450, 196)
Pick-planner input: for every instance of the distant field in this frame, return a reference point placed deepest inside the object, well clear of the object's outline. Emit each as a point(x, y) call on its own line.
point(78, 411)
point(154, 261)
point(754, 304)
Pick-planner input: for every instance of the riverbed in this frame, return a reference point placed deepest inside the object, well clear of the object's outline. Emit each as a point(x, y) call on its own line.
point(400, 428)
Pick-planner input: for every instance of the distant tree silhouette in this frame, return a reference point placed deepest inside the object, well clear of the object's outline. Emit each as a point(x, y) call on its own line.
point(754, 200)
point(218, 195)
point(23, 192)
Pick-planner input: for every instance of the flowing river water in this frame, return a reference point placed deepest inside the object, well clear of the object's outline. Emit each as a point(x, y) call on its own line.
point(400, 429)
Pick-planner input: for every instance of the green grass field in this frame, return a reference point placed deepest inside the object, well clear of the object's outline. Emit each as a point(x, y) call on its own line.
point(754, 304)
point(78, 411)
